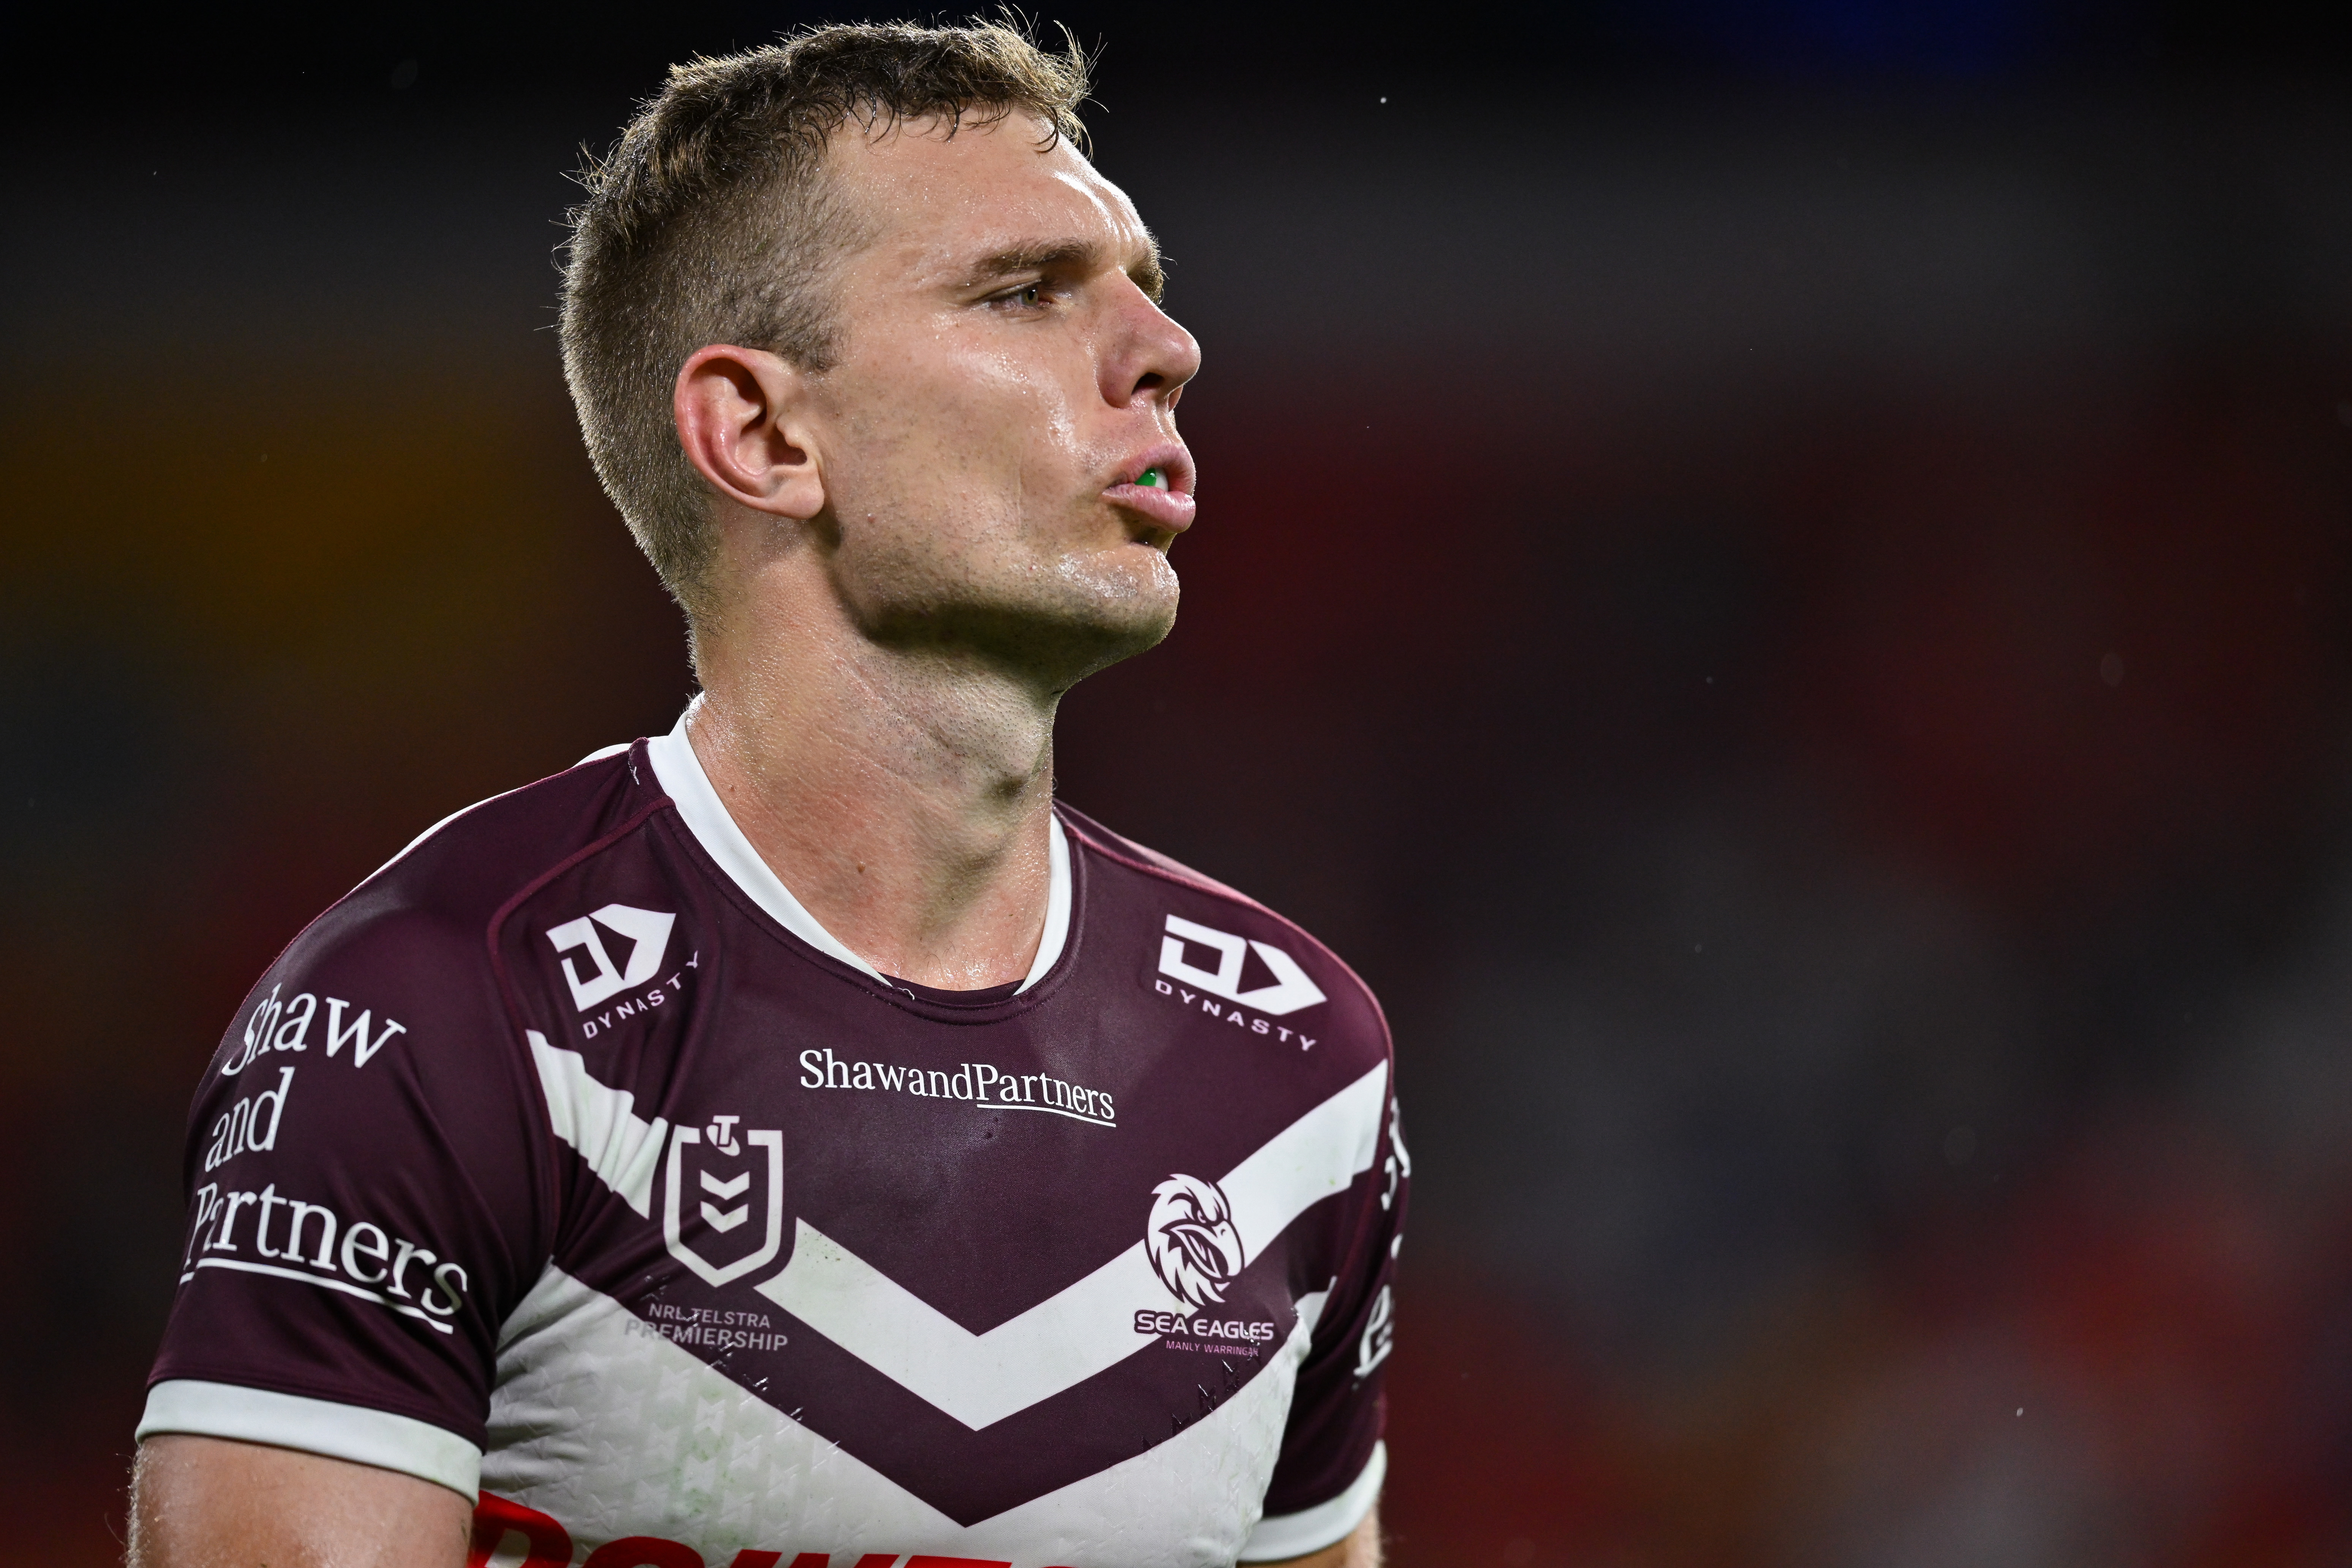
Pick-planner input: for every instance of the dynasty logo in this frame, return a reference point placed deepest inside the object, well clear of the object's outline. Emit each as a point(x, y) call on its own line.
point(646, 931)
point(1290, 991)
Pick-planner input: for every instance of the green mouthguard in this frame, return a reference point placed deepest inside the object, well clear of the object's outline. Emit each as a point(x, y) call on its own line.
point(1152, 478)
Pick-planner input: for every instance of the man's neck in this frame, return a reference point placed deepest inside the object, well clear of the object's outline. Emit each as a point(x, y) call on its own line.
point(904, 798)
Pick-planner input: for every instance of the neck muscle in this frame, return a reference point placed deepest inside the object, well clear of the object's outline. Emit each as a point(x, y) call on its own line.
point(903, 796)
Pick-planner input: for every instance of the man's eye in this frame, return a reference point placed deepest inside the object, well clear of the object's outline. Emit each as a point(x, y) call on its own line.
point(1028, 299)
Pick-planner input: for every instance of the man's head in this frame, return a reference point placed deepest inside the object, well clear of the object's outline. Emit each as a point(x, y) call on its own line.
point(861, 294)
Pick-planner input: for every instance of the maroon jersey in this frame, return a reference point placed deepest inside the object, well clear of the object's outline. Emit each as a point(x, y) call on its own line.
point(570, 1162)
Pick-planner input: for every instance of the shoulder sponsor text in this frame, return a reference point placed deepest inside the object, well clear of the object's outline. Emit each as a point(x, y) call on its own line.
point(371, 1263)
point(276, 1026)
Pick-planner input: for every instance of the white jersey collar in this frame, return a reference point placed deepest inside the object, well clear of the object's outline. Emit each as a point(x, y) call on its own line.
point(706, 817)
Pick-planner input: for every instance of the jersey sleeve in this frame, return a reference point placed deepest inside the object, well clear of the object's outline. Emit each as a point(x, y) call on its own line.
point(1332, 1461)
point(367, 1199)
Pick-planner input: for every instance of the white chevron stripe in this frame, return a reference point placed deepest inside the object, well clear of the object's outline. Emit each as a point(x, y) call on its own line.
point(1088, 1327)
point(601, 1122)
point(609, 1429)
point(1306, 1162)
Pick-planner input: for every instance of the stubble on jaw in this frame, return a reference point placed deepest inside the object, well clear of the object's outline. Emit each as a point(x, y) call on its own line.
point(1047, 618)
point(1045, 601)
point(984, 577)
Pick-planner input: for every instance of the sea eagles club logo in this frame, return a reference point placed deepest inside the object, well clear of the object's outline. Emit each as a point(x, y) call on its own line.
point(747, 1187)
point(646, 929)
point(1191, 1241)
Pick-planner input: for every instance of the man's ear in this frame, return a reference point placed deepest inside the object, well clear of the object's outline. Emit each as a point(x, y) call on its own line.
point(743, 420)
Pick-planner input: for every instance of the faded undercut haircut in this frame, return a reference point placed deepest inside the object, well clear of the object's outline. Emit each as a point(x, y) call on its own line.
point(712, 221)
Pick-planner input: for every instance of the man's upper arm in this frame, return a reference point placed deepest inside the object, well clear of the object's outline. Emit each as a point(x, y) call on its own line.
point(1327, 1482)
point(197, 1502)
point(1362, 1549)
point(368, 1196)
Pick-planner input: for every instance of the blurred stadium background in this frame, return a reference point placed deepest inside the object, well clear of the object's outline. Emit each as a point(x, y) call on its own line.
point(1773, 571)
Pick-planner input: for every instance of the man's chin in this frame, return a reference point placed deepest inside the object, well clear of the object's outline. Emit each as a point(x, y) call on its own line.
point(1053, 639)
point(1060, 649)
point(1128, 600)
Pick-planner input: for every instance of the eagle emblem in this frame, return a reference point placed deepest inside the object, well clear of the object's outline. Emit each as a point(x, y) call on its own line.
point(1191, 1241)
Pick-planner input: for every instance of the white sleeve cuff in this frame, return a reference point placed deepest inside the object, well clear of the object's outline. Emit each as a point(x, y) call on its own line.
point(315, 1426)
point(1325, 1524)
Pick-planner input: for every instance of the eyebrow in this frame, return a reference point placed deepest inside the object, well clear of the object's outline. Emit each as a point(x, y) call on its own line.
point(1066, 255)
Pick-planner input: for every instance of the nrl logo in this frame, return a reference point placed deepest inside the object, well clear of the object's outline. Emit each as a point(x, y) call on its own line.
point(718, 1146)
point(1191, 1241)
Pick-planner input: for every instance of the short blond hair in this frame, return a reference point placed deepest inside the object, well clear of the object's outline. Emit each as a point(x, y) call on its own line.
point(711, 221)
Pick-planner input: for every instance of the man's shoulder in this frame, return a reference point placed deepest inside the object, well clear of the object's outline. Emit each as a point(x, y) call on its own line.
point(417, 931)
point(458, 873)
point(1214, 947)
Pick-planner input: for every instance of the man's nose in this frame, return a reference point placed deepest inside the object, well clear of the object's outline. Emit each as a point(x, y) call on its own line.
point(1152, 356)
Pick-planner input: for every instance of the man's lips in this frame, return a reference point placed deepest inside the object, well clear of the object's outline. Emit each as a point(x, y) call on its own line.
point(1170, 504)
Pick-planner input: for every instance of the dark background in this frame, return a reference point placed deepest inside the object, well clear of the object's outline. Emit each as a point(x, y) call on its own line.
point(1774, 573)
